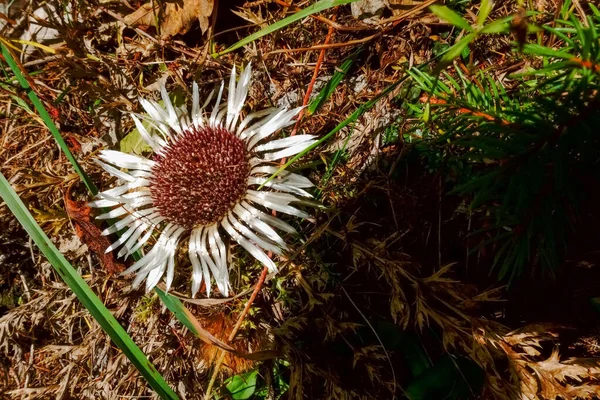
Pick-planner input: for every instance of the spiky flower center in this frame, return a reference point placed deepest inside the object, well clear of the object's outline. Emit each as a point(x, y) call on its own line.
point(200, 176)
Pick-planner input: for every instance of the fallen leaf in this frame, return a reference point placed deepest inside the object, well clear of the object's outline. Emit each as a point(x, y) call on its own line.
point(173, 17)
point(89, 233)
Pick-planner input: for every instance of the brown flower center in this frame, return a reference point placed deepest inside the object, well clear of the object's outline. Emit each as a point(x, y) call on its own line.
point(200, 176)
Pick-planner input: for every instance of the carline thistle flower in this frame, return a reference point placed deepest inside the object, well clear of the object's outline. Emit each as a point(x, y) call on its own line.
point(202, 181)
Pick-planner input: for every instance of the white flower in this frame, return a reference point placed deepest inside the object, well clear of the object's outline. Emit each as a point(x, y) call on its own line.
point(203, 181)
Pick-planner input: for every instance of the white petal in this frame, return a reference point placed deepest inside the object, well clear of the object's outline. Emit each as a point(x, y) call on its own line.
point(285, 142)
point(122, 239)
point(250, 248)
point(231, 95)
point(258, 225)
point(134, 216)
point(115, 172)
point(286, 177)
point(269, 219)
point(103, 203)
point(117, 212)
point(276, 201)
point(240, 129)
point(213, 116)
point(152, 254)
point(133, 239)
point(154, 276)
point(290, 151)
point(196, 267)
point(280, 122)
point(125, 160)
point(155, 111)
point(197, 119)
point(220, 256)
point(252, 236)
point(172, 118)
point(274, 184)
point(142, 241)
point(145, 134)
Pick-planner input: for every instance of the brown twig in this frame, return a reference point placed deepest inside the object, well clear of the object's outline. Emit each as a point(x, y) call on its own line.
point(324, 46)
point(265, 270)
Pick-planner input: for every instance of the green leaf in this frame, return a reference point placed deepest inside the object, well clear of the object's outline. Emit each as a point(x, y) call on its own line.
point(451, 16)
point(242, 387)
point(498, 26)
point(454, 52)
point(537, 50)
point(134, 143)
point(83, 292)
point(484, 11)
point(335, 80)
point(451, 378)
point(315, 8)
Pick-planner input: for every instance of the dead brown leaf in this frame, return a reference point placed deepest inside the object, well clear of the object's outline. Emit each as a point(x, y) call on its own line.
point(89, 233)
point(173, 17)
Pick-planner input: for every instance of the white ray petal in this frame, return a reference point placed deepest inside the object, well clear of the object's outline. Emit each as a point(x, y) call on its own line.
point(219, 255)
point(203, 263)
point(115, 172)
point(117, 212)
point(257, 114)
point(170, 271)
point(252, 236)
point(133, 239)
point(231, 96)
point(196, 266)
point(155, 275)
point(290, 151)
point(120, 190)
point(142, 241)
point(134, 216)
point(213, 116)
point(249, 218)
point(214, 268)
point(274, 184)
point(152, 254)
point(122, 239)
point(281, 121)
point(145, 134)
point(276, 201)
point(285, 142)
point(269, 219)
point(125, 160)
point(286, 177)
point(250, 248)
point(172, 119)
point(101, 203)
point(197, 119)
point(155, 111)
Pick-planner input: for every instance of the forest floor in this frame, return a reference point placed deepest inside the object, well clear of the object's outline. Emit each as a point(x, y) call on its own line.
point(387, 292)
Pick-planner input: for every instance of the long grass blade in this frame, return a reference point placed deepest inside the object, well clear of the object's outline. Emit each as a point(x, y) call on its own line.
point(173, 304)
point(45, 116)
point(315, 8)
point(84, 293)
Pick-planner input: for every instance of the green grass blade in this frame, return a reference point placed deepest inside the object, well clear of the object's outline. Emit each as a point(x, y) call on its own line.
point(181, 310)
point(84, 293)
point(46, 118)
point(451, 16)
point(333, 83)
point(315, 8)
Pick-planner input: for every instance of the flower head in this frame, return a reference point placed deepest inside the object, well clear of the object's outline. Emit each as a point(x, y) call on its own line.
point(203, 181)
